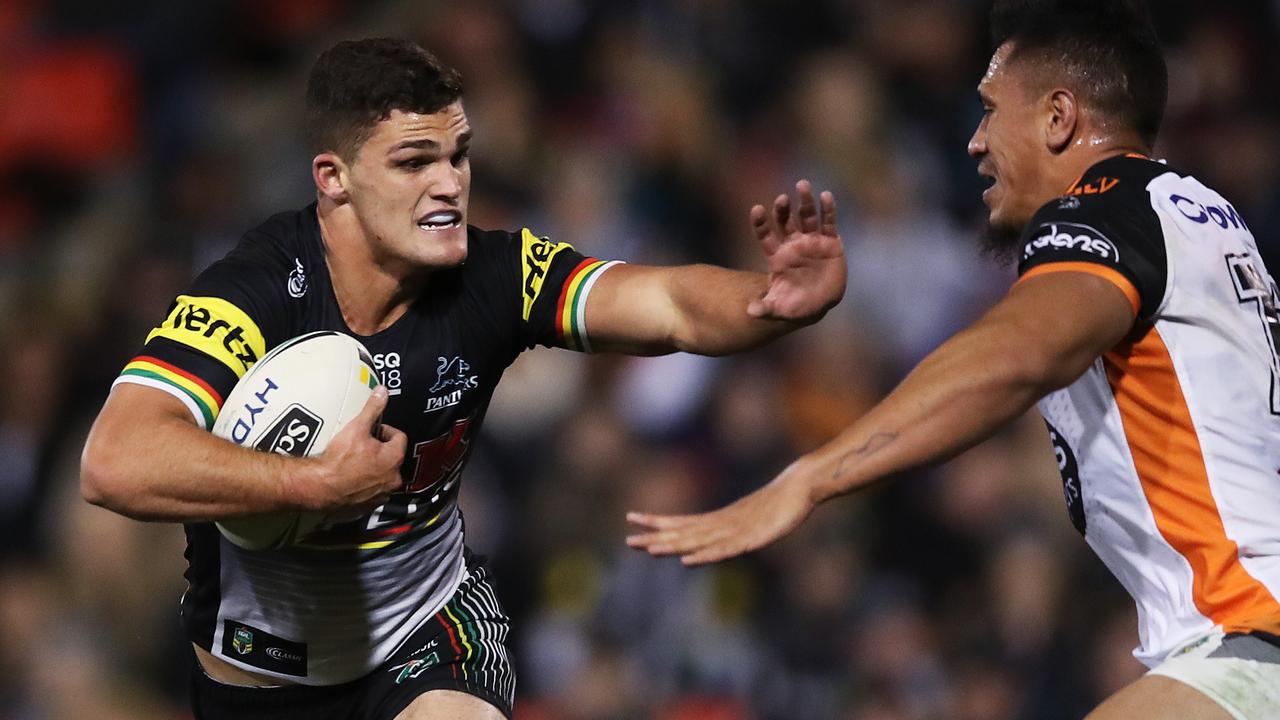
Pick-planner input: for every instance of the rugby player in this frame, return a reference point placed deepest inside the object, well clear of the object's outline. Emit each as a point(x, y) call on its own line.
point(386, 615)
point(1144, 324)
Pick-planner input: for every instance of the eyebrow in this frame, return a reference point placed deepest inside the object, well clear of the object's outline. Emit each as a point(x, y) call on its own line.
point(425, 144)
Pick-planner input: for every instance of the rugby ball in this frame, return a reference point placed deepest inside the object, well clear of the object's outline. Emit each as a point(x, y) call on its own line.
point(293, 401)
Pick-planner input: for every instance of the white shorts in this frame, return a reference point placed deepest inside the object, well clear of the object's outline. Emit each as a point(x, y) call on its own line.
point(1239, 672)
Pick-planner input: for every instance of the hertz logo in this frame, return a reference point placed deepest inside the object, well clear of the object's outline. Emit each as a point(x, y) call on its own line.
point(216, 328)
point(536, 256)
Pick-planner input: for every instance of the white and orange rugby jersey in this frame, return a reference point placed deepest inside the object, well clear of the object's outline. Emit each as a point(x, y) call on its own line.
point(1169, 445)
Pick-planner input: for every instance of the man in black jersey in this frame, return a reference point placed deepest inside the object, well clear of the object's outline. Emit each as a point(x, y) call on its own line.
point(1144, 324)
point(385, 615)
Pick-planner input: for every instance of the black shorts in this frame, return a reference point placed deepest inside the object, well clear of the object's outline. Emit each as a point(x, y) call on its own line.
point(461, 648)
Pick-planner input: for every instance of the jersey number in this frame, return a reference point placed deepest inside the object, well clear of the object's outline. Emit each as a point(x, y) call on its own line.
point(1255, 287)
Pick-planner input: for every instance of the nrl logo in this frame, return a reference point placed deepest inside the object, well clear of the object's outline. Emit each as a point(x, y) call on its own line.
point(452, 376)
point(242, 641)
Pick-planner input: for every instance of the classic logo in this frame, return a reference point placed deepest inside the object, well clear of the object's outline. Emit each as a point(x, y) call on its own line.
point(297, 284)
point(261, 649)
point(415, 667)
point(283, 655)
point(216, 328)
point(242, 641)
point(293, 434)
point(537, 254)
point(1072, 236)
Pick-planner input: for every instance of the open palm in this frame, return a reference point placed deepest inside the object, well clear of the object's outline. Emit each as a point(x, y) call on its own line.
point(805, 257)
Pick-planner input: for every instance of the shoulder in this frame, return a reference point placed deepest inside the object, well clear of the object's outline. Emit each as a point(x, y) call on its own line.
point(1114, 188)
point(485, 245)
point(1105, 219)
point(1108, 207)
point(283, 250)
point(281, 239)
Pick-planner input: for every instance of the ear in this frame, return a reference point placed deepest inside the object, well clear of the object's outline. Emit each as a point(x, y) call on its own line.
point(1063, 119)
point(330, 175)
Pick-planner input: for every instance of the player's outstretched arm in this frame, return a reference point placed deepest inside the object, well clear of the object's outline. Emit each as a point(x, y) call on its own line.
point(1041, 337)
point(146, 458)
point(715, 311)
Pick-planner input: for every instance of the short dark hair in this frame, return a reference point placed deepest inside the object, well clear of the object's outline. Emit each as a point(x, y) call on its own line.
point(1108, 50)
point(357, 83)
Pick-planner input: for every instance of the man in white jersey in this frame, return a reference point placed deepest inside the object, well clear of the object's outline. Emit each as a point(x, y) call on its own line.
point(1145, 326)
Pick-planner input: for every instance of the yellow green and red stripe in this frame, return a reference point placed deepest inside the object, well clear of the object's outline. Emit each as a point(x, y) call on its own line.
point(207, 400)
point(571, 308)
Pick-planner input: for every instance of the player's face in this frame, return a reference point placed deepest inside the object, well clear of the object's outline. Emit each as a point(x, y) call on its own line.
point(1008, 145)
point(409, 186)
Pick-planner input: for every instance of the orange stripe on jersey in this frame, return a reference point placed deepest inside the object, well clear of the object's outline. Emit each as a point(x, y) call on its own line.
point(1170, 465)
point(1112, 276)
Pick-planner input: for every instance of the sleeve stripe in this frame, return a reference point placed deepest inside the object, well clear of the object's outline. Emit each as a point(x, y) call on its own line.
point(562, 318)
point(209, 401)
point(571, 307)
point(1112, 276)
point(197, 411)
point(213, 394)
point(580, 301)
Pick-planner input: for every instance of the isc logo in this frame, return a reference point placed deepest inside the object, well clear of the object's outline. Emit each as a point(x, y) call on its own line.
point(293, 434)
point(388, 366)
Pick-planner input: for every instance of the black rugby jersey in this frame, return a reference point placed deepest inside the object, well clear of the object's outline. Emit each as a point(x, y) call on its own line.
point(329, 608)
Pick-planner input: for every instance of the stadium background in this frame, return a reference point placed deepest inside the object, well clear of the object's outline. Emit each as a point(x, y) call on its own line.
point(138, 138)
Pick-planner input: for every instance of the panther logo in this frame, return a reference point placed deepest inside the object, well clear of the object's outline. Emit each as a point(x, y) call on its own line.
point(453, 374)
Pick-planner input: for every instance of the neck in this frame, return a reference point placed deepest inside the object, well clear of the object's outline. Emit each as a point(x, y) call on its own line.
point(370, 294)
point(1088, 150)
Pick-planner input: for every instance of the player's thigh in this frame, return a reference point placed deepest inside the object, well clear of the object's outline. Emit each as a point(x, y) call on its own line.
point(1155, 697)
point(449, 705)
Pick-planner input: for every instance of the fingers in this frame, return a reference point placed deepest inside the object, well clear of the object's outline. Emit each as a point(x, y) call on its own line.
point(808, 215)
point(387, 434)
point(782, 214)
point(373, 408)
point(692, 537)
point(828, 214)
point(760, 307)
point(764, 231)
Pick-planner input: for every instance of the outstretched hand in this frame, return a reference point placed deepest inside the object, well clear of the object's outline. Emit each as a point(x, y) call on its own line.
point(748, 524)
point(805, 257)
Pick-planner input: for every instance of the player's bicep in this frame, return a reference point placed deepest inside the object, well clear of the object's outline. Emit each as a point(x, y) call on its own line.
point(1068, 317)
point(630, 310)
point(123, 434)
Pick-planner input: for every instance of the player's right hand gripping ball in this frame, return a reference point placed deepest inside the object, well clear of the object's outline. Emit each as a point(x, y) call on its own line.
point(293, 401)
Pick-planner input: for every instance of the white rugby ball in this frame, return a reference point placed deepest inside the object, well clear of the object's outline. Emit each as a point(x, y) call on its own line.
point(293, 401)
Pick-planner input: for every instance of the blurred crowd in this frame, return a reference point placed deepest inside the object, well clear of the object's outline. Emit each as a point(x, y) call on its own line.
point(139, 138)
